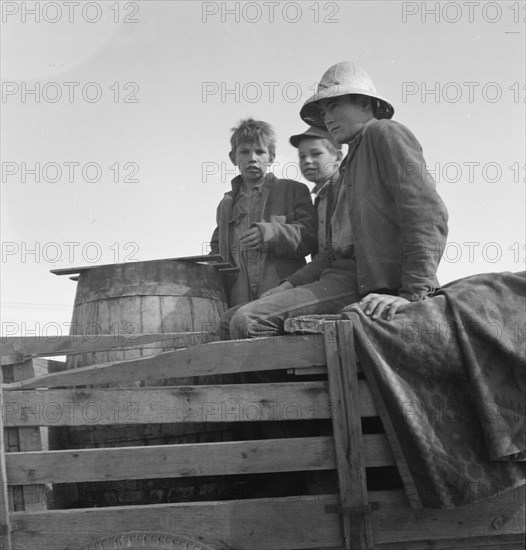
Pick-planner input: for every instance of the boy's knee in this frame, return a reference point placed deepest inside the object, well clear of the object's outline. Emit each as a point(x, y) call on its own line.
point(239, 324)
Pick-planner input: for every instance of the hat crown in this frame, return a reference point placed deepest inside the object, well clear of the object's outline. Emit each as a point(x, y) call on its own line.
point(346, 77)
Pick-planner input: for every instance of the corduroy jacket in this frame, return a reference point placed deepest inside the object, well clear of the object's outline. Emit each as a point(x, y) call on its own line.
point(288, 228)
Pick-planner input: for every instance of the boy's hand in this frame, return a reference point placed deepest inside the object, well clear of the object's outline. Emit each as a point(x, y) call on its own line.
point(251, 238)
point(282, 287)
point(380, 305)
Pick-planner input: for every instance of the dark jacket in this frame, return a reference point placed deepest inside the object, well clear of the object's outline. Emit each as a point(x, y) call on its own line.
point(288, 228)
point(398, 220)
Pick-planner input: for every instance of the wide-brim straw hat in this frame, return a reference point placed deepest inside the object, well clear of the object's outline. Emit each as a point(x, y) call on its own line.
point(343, 79)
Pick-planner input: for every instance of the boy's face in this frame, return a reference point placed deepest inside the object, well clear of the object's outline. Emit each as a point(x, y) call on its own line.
point(343, 117)
point(317, 163)
point(252, 159)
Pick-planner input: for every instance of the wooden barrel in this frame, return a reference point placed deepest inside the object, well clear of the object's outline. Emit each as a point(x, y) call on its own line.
point(139, 298)
point(145, 297)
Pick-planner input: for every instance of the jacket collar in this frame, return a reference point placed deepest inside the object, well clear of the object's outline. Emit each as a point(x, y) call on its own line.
point(237, 183)
point(321, 189)
point(355, 143)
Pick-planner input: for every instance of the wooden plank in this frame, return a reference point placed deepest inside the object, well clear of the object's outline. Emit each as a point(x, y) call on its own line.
point(170, 461)
point(5, 524)
point(339, 424)
point(206, 359)
point(257, 524)
point(199, 258)
point(502, 515)
point(151, 405)
point(496, 542)
point(343, 386)
point(40, 346)
point(183, 460)
point(146, 405)
point(32, 498)
point(356, 499)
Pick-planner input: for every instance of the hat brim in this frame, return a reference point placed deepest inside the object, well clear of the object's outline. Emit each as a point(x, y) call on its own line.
point(312, 114)
point(297, 139)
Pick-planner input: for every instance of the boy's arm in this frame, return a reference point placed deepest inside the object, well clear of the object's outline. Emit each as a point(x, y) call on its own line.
point(311, 272)
point(420, 211)
point(296, 239)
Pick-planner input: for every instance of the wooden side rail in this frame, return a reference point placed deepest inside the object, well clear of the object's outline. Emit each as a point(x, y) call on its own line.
point(308, 522)
point(216, 403)
point(356, 518)
point(41, 346)
point(201, 360)
point(183, 460)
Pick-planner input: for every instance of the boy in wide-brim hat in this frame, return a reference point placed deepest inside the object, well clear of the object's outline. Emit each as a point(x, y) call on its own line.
point(388, 226)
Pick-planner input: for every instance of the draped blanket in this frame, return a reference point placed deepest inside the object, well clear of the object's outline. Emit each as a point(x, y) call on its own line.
point(451, 370)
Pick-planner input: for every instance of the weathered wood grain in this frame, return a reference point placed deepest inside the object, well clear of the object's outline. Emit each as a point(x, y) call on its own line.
point(41, 346)
point(281, 352)
point(147, 405)
point(280, 524)
point(202, 459)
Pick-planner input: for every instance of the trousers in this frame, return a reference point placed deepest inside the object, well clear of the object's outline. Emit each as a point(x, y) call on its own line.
point(336, 288)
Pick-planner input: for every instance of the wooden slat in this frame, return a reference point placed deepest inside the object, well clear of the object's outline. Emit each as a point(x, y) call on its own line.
point(496, 542)
point(31, 498)
point(218, 403)
point(41, 346)
point(339, 424)
point(170, 461)
point(5, 524)
point(280, 524)
point(201, 459)
point(206, 359)
point(199, 258)
point(147, 405)
point(343, 386)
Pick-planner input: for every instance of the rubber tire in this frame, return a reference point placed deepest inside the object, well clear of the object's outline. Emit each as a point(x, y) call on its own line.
point(146, 541)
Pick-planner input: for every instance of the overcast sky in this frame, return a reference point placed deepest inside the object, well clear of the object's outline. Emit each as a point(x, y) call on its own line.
point(116, 120)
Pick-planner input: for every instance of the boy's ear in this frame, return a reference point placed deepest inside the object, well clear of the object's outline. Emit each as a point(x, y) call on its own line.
point(232, 157)
point(339, 156)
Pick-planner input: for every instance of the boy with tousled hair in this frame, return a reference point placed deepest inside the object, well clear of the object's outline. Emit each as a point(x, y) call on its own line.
point(265, 225)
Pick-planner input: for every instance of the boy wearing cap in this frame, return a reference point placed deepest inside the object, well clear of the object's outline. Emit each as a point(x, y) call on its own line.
point(319, 156)
point(388, 227)
point(265, 225)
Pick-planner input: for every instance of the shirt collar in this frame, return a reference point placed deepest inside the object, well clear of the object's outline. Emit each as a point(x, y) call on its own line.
point(239, 185)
